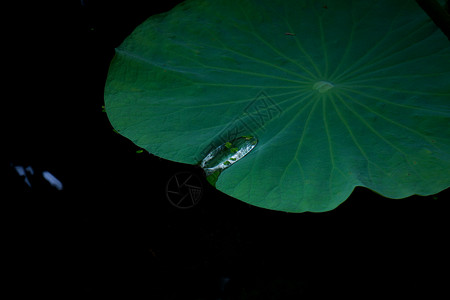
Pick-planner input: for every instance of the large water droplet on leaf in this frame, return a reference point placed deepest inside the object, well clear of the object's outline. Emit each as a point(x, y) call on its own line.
point(227, 154)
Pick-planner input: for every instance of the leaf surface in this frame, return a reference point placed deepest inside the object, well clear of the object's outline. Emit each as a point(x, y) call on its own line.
point(351, 93)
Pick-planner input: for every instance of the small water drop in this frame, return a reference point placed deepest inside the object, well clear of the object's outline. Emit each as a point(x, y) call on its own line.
point(227, 154)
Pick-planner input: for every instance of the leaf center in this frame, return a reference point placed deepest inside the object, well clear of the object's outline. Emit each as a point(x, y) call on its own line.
point(322, 86)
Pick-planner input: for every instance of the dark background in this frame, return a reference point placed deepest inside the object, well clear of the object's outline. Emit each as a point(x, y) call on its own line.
point(112, 232)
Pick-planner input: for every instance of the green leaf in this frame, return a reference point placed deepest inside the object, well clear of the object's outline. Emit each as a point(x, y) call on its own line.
point(351, 93)
point(219, 158)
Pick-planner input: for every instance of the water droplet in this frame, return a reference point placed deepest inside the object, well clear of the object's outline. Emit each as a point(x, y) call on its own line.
point(322, 86)
point(227, 154)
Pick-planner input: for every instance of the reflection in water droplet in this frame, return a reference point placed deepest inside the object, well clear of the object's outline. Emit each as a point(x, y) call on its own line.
point(227, 154)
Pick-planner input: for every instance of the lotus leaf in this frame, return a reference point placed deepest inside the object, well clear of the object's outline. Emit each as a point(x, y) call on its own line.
point(338, 94)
